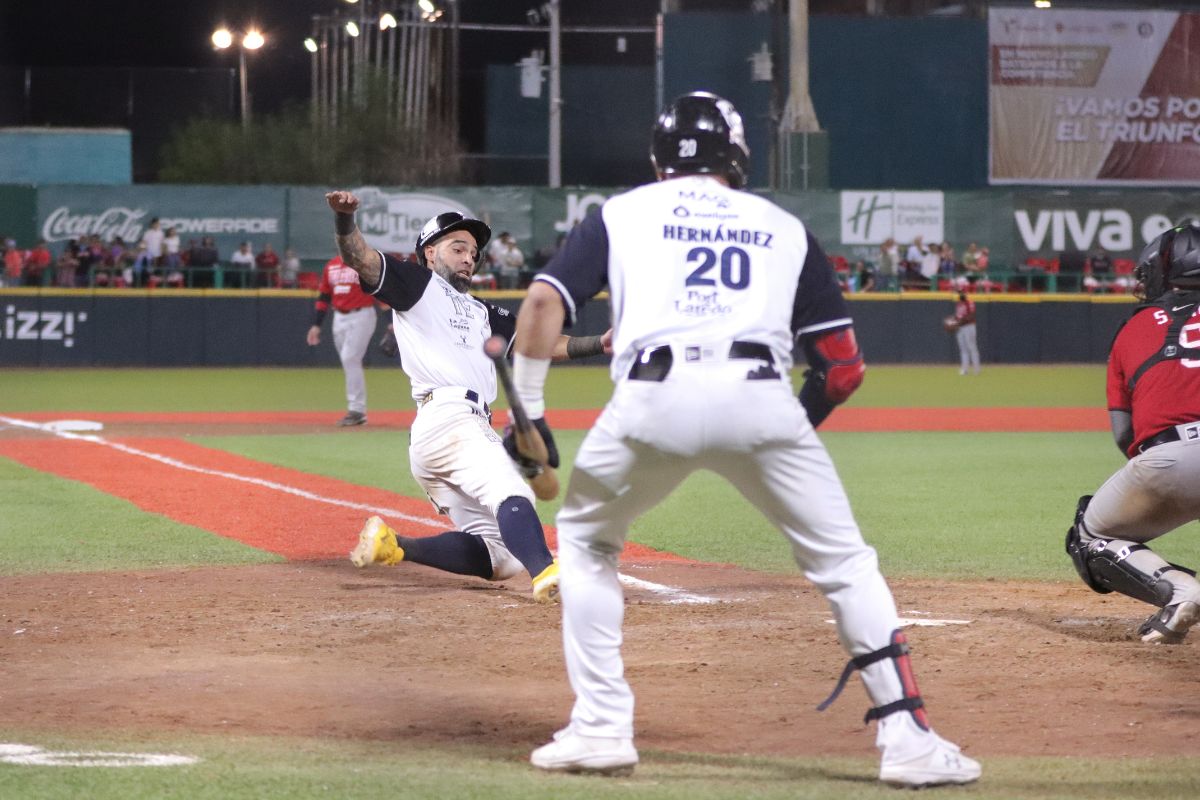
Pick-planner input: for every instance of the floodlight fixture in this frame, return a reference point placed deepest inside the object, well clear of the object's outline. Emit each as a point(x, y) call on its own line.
point(222, 38)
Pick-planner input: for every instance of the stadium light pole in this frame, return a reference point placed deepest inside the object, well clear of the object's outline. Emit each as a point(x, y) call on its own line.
point(222, 39)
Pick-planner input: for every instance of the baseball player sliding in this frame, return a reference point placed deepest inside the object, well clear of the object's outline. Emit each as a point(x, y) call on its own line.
point(455, 455)
point(353, 326)
point(710, 285)
point(1154, 411)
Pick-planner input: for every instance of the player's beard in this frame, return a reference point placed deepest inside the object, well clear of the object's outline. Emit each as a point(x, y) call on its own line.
point(451, 277)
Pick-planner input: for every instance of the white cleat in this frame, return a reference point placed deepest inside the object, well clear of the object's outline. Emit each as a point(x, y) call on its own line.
point(570, 752)
point(942, 764)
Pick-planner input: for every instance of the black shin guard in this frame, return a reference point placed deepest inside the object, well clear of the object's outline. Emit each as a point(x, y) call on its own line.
point(522, 533)
point(898, 651)
point(453, 551)
point(1105, 564)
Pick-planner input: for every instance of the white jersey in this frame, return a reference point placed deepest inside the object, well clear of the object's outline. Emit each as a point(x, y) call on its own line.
point(440, 331)
point(691, 261)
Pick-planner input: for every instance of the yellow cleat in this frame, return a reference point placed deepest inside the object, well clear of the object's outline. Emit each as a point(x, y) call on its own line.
point(545, 585)
point(377, 545)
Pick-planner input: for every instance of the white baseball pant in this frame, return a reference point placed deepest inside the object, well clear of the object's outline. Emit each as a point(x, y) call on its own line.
point(755, 434)
point(1155, 492)
point(460, 462)
point(968, 348)
point(352, 334)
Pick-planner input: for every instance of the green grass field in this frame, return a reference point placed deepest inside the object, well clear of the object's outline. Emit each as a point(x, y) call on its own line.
point(951, 505)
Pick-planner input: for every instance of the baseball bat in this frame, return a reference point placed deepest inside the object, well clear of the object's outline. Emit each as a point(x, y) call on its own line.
point(529, 441)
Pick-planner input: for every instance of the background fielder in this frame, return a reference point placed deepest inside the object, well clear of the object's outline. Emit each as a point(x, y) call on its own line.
point(709, 286)
point(353, 326)
point(454, 454)
point(1154, 410)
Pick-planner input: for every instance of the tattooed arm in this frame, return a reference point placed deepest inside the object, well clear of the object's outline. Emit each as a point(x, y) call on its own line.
point(351, 244)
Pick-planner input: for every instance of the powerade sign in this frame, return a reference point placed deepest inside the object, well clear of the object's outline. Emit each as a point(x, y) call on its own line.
point(1121, 224)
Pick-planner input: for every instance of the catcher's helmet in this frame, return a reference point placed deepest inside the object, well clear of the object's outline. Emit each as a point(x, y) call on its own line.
point(1173, 257)
point(701, 133)
point(446, 223)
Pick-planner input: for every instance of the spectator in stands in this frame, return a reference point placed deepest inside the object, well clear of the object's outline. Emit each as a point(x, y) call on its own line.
point(506, 260)
point(289, 274)
point(1097, 275)
point(915, 255)
point(266, 267)
point(864, 273)
point(66, 266)
point(948, 265)
point(202, 260)
point(930, 263)
point(142, 265)
point(95, 257)
point(888, 272)
point(14, 263)
point(37, 262)
point(241, 265)
point(171, 258)
point(153, 238)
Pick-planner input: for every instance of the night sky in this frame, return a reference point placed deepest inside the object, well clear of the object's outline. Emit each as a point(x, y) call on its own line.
point(176, 34)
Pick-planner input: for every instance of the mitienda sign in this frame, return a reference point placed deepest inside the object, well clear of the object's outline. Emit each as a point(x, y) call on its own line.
point(392, 222)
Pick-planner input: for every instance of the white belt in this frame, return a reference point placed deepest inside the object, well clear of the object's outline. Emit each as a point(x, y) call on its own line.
point(456, 394)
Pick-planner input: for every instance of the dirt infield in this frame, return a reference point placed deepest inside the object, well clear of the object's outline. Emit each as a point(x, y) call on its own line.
point(313, 647)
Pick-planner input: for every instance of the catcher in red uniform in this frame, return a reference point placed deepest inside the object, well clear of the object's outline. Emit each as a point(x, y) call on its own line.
point(1154, 409)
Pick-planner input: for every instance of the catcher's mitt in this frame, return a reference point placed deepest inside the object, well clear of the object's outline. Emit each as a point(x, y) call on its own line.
point(949, 324)
point(387, 345)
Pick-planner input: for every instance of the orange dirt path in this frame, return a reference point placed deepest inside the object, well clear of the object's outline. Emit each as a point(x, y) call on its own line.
point(262, 516)
point(844, 419)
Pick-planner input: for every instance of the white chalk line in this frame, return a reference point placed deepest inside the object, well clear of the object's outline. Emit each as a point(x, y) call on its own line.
point(922, 623)
point(32, 756)
point(672, 595)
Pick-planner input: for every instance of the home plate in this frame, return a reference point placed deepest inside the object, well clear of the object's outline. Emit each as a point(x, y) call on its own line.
point(73, 425)
point(924, 623)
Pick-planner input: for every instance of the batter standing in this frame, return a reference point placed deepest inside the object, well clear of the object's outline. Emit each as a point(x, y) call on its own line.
point(1154, 411)
point(353, 326)
point(710, 286)
point(455, 455)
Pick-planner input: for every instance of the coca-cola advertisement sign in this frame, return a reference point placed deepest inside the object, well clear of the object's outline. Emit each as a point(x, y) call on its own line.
point(128, 223)
point(63, 224)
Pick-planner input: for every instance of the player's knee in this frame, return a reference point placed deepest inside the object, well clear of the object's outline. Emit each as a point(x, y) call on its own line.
point(1105, 567)
point(504, 564)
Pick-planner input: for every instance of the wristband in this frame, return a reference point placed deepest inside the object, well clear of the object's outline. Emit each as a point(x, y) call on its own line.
point(529, 379)
point(343, 223)
point(584, 346)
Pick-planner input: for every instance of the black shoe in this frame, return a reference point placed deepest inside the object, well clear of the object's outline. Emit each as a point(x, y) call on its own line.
point(352, 418)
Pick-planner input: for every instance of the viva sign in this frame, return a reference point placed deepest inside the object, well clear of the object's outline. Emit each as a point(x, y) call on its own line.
point(1055, 223)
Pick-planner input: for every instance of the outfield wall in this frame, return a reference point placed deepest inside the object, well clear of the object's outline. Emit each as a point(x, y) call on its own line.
point(186, 328)
point(1015, 224)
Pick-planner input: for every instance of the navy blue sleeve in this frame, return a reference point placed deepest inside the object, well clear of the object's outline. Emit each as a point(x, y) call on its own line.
point(819, 304)
point(502, 321)
point(579, 270)
point(403, 283)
